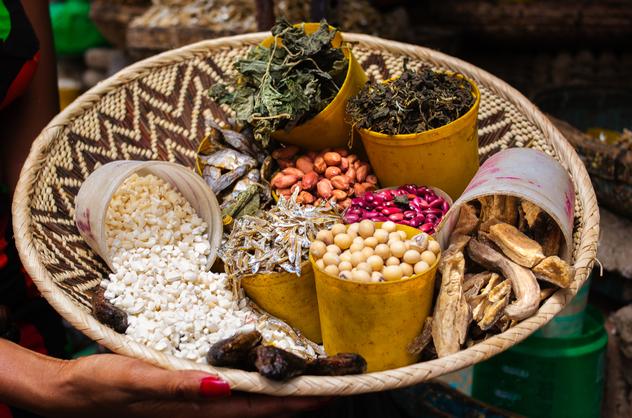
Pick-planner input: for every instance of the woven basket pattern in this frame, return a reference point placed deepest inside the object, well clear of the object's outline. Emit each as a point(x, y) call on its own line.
point(157, 109)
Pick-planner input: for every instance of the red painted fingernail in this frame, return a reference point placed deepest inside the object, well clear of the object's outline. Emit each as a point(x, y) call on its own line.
point(214, 387)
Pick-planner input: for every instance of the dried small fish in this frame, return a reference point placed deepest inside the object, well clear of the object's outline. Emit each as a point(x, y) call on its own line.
point(228, 159)
point(225, 180)
point(241, 141)
point(276, 240)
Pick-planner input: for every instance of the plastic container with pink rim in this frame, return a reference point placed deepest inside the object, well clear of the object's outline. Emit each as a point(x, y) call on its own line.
point(525, 173)
point(93, 200)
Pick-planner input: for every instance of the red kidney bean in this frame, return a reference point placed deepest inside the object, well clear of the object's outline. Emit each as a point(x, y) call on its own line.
point(396, 217)
point(390, 211)
point(398, 192)
point(436, 203)
point(432, 211)
point(422, 203)
point(352, 218)
point(386, 195)
point(427, 227)
point(415, 222)
point(409, 188)
point(431, 219)
point(405, 222)
point(409, 214)
point(390, 204)
point(445, 207)
point(380, 219)
point(370, 213)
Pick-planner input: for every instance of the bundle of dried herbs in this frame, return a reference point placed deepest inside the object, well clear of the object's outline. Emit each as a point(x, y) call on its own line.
point(275, 240)
point(415, 102)
point(286, 84)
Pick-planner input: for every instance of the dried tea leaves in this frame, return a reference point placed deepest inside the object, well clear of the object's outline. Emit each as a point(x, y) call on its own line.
point(286, 84)
point(415, 102)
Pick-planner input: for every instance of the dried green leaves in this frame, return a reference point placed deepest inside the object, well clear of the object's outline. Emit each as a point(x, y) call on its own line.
point(415, 102)
point(287, 84)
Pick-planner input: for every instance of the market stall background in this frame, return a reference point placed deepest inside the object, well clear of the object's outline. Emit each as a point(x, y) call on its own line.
point(550, 51)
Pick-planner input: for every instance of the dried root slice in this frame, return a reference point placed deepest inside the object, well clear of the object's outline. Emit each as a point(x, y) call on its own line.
point(504, 323)
point(523, 282)
point(457, 245)
point(550, 238)
point(107, 313)
point(537, 224)
point(339, 365)
point(496, 209)
point(530, 216)
point(467, 223)
point(517, 246)
point(474, 283)
point(497, 299)
point(277, 364)
point(422, 340)
point(545, 293)
point(452, 313)
point(234, 351)
point(554, 270)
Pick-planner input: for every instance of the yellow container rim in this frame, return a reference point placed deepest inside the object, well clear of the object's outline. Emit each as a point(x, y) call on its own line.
point(337, 42)
point(385, 283)
point(430, 135)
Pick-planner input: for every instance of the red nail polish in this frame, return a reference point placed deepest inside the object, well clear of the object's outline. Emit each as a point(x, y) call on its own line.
point(214, 387)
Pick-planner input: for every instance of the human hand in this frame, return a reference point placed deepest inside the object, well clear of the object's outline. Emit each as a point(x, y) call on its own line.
point(109, 385)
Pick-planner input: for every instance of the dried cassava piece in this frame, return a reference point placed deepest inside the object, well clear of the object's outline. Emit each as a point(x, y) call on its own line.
point(496, 209)
point(275, 363)
point(473, 283)
point(452, 313)
point(497, 300)
point(554, 270)
point(516, 245)
point(545, 293)
point(338, 365)
point(523, 282)
point(234, 351)
point(467, 223)
point(107, 313)
point(421, 341)
point(457, 245)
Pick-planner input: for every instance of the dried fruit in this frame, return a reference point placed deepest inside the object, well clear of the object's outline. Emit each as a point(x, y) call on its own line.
point(234, 351)
point(107, 313)
point(338, 365)
point(277, 364)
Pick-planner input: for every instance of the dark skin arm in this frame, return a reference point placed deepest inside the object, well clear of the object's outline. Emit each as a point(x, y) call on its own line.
point(25, 118)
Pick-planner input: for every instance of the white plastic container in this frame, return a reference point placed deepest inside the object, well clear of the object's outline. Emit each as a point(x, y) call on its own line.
point(93, 200)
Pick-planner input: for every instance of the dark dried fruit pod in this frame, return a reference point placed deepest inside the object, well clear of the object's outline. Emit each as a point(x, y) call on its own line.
point(234, 351)
point(107, 313)
point(338, 365)
point(277, 364)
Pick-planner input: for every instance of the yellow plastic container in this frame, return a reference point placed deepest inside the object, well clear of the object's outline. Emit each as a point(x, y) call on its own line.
point(328, 128)
point(446, 157)
point(376, 320)
point(288, 297)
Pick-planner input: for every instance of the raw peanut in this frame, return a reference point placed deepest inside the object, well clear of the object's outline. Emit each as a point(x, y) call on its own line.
point(344, 164)
point(305, 197)
point(284, 181)
point(356, 164)
point(309, 180)
point(285, 153)
point(284, 163)
point(332, 172)
point(293, 171)
point(332, 158)
point(352, 158)
point(342, 151)
point(311, 155)
point(351, 174)
point(324, 188)
point(318, 201)
point(340, 182)
point(305, 164)
point(320, 165)
point(371, 179)
point(368, 186)
point(284, 192)
point(351, 192)
point(345, 203)
point(362, 172)
point(339, 195)
point(359, 189)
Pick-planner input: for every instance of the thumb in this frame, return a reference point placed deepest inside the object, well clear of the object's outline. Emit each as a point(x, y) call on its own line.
point(182, 385)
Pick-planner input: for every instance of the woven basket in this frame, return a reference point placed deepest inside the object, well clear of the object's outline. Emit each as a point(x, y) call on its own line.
point(156, 109)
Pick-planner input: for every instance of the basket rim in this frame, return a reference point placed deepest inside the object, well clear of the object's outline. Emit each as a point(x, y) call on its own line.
point(304, 385)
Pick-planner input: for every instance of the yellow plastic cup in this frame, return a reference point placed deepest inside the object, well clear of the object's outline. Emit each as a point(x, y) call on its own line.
point(446, 157)
point(375, 320)
point(288, 297)
point(328, 128)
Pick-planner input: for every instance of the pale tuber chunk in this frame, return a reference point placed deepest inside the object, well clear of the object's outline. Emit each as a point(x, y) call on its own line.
point(554, 270)
point(452, 315)
point(517, 246)
point(496, 209)
point(457, 245)
point(467, 223)
point(523, 282)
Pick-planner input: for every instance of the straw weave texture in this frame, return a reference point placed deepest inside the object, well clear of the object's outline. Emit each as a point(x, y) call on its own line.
point(156, 109)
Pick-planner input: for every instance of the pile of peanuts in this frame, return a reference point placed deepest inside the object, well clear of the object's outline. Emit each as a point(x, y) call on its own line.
point(328, 174)
point(367, 253)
